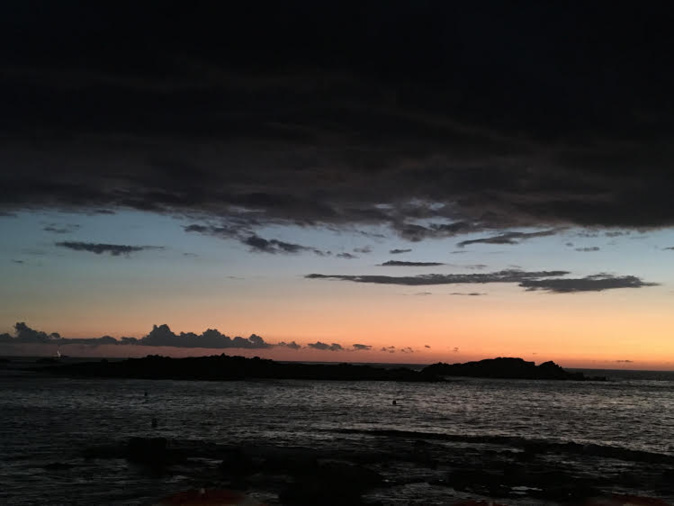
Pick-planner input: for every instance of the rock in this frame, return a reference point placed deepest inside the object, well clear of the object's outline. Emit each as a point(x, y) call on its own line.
point(332, 483)
point(152, 451)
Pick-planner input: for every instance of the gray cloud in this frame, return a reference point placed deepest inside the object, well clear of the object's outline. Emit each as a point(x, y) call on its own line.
point(274, 246)
point(505, 276)
point(363, 250)
point(625, 361)
point(398, 263)
point(595, 283)
point(509, 238)
point(398, 251)
point(468, 294)
point(588, 249)
point(54, 228)
point(100, 248)
point(324, 346)
point(444, 136)
point(292, 345)
point(347, 256)
point(362, 347)
point(537, 280)
point(241, 230)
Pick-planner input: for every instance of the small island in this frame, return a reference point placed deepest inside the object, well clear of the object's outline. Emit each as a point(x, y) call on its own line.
point(227, 368)
point(508, 368)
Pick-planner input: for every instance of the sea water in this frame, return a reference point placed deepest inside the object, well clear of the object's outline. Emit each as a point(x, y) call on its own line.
point(47, 422)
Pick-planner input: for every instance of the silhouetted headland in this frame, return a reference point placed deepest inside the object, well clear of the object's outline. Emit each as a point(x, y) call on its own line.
point(224, 367)
point(508, 368)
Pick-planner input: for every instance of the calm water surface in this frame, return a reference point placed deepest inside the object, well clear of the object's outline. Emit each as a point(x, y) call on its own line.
point(47, 420)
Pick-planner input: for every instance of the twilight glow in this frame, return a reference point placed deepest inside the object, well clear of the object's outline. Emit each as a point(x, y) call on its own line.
point(377, 204)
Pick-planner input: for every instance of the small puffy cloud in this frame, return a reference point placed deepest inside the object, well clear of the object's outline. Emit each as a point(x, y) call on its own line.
point(347, 256)
point(625, 361)
point(589, 249)
point(468, 294)
point(100, 248)
point(362, 347)
point(318, 345)
point(363, 250)
point(399, 251)
point(426, 346)
point(292, 345)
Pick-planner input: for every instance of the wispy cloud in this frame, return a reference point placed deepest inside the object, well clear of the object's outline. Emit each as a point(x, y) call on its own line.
point(509, 238)
point(55, 228)
point(595, 283)
point(398, 263)
point(550, 281)
point(101, 248)
point(398, 251)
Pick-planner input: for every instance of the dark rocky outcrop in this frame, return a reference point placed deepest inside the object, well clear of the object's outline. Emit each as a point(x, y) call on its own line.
point(508, 368)
point(224, 367)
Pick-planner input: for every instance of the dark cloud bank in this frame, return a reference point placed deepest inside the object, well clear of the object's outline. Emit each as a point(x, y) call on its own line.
point(433, 118)
point(162, 336)
point(550, 281)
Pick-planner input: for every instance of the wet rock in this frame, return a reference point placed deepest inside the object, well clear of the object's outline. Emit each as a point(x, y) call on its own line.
point(152, 451)
point(332, 483)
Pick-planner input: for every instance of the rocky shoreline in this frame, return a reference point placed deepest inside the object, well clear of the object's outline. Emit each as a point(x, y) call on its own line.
point(401, 467)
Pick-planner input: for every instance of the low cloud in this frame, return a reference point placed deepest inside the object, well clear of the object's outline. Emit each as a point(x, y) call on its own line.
point(468, 294)
point(364, 250)
point(625, 361)
point(292, 345)
point(588, 250)
point(398, 263)
point(326, 347)
point(362, 347)
point(399, 251)
point(101, 248)
point(347, 256)
point(595, 283)
point(509, 238)
point(160, 335)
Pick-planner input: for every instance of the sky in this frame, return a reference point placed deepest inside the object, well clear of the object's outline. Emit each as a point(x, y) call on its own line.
point(390, 181)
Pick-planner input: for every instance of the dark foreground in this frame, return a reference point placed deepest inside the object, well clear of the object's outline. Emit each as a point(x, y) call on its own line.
point(407, 468)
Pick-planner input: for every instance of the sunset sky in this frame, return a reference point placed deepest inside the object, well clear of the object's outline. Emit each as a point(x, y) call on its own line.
point(397, 182)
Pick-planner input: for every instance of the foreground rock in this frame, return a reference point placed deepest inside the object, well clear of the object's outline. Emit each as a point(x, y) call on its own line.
point(507, 368)
point(223, 367)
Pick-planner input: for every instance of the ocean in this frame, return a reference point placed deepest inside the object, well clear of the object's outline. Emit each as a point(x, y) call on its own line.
point(615, 436)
